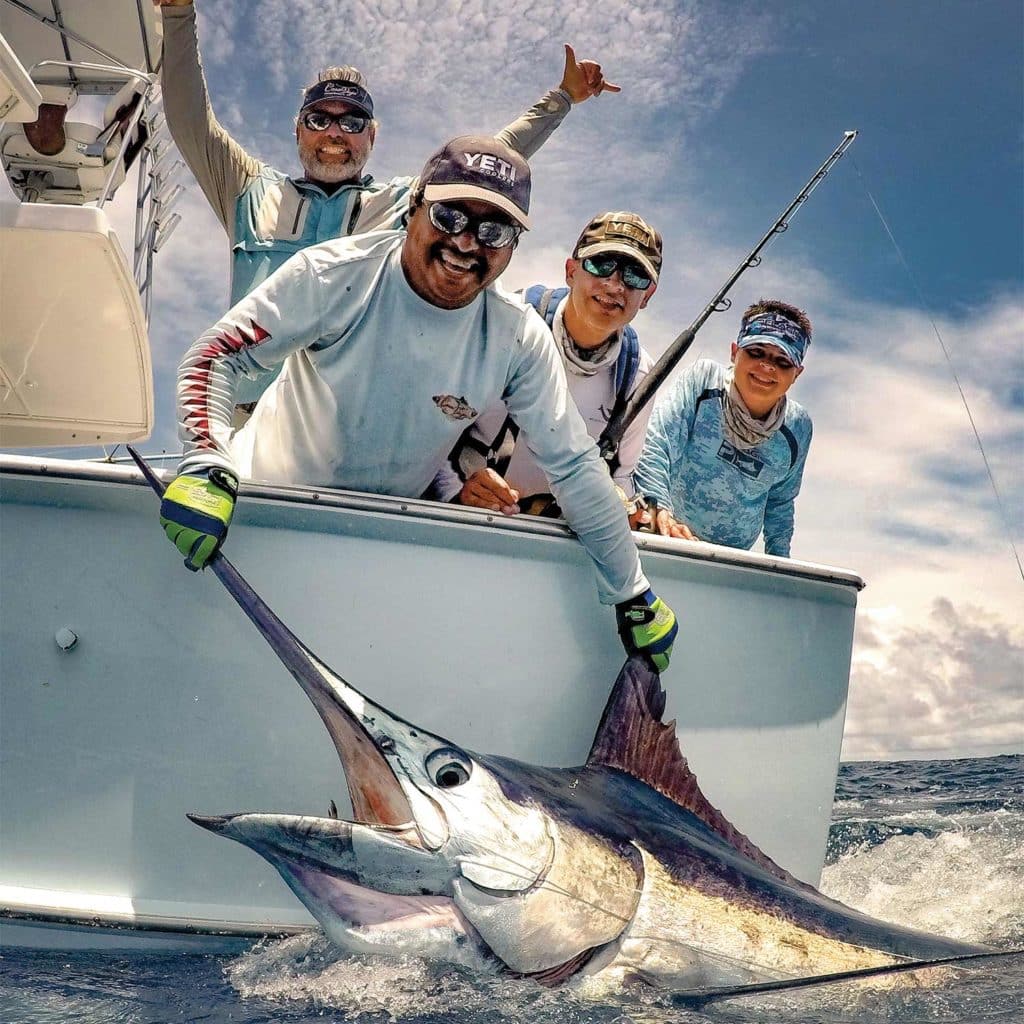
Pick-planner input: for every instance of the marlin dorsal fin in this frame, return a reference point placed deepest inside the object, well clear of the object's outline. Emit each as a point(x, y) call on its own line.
point(633, 738)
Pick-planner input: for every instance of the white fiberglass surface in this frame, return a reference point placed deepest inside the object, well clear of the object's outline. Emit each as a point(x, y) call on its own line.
point(171, 702)
point(65, 380)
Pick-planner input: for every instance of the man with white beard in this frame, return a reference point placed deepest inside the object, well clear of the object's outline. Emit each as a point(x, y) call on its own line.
point(269, 215)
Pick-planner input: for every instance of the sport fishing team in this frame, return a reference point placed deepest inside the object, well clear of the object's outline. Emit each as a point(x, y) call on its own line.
point(370, 347)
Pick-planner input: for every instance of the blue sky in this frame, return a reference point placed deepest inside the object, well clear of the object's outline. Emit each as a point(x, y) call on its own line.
point(726, 109)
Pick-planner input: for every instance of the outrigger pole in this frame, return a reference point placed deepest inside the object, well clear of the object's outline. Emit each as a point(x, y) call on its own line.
point(624, 413)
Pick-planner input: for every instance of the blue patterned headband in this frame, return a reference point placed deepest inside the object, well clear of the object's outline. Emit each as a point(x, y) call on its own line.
point(781, 331)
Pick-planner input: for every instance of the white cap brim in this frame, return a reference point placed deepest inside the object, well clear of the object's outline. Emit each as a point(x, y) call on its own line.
point(459, 191)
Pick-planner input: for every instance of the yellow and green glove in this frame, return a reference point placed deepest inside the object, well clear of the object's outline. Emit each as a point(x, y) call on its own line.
point(647, 626)
point(196, 512)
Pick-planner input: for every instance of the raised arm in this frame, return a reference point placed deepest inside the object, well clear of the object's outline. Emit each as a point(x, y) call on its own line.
point(580, 80)
point(220, 165)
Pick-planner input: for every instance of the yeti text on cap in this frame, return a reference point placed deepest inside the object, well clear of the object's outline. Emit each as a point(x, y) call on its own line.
point(491, 165)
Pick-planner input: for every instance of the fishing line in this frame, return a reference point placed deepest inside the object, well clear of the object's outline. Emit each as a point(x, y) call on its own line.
point(701, 997)
point(952, 369)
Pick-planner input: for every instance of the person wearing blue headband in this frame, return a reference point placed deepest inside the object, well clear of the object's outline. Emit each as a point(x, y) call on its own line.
point(725, 450)
point(268, 215)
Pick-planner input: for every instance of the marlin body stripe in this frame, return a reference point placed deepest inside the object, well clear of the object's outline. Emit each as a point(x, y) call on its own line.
point(619, 866)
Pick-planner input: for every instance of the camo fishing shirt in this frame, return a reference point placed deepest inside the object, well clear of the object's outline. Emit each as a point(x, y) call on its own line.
point(726, 495)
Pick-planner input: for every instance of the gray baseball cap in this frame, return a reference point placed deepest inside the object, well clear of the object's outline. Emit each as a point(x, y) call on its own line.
point(480, 167)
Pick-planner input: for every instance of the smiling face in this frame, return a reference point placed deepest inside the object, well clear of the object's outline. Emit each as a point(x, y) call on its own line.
point(450, 271)
point(332, 157)
point(761, 382)
point(599, 307)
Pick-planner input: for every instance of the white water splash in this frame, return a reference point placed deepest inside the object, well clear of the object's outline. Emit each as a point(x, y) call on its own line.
point(969, 886)
point(307, 968)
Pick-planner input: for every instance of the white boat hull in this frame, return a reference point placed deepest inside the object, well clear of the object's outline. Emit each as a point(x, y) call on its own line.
point(487, 632)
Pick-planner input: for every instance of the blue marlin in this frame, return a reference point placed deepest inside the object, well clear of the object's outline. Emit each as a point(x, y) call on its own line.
point(620, 866)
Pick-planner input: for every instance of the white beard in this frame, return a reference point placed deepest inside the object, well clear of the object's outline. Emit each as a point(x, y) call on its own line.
point(330, 173)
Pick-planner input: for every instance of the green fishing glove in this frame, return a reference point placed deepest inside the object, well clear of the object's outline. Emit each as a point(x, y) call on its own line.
point(196, 512)
point(647, 626)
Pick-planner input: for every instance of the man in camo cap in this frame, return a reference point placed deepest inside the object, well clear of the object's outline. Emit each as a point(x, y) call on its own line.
point(611, 275)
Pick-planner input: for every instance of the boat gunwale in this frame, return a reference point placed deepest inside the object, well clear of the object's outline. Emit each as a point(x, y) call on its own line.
point(387, 506)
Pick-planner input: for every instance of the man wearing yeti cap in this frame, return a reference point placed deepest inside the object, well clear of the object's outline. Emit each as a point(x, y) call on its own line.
point(390, 343)
point(725, 450)
point(610, 276)
point(269, 215)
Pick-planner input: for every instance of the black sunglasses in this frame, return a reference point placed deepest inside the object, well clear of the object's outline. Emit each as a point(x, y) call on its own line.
point(633, 275)
point(495, 234)
point(320, 121)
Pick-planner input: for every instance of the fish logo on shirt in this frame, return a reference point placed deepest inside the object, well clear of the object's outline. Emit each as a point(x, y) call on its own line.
point(455, 408)
point(746, 462)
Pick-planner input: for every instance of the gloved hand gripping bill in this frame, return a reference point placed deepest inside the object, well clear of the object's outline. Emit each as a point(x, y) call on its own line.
point(647, 626)
point(196, 512)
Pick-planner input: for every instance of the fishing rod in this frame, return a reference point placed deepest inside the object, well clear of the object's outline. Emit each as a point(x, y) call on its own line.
point(624, 412)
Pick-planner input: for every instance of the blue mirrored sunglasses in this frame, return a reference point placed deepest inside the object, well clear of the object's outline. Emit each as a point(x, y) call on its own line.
point(633, 275)
point(495, 234)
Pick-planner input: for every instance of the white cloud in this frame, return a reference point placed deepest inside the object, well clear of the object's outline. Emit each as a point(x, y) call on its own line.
point(953, 680)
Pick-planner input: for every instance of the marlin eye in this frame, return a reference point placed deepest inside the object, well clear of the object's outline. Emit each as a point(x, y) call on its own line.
point(448, 768)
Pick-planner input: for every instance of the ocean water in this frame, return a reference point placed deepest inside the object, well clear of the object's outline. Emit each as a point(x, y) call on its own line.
point(936, 845)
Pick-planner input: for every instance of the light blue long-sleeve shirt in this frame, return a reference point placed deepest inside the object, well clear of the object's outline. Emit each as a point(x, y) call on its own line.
point(724, 494)
point(377, 385)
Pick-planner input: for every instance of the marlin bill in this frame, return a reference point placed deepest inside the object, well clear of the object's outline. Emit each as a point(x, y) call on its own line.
point(620, 866)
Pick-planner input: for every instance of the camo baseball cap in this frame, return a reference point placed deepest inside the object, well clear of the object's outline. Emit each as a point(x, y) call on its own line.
point(479, 167)
point(622, 232)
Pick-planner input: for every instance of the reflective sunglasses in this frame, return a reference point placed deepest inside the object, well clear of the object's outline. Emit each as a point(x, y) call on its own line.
point(633, 275)
point(761, 355)
point(320, 121)
point(495, 234)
